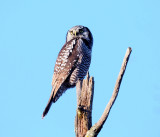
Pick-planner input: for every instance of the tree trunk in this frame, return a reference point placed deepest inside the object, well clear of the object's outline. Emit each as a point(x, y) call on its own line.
point(85, 91)
point(83, 120)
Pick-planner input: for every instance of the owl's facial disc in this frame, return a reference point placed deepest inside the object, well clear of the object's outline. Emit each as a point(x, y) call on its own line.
point(78, 32)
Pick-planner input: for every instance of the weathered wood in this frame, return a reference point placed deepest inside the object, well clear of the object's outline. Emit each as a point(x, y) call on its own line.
point(85, 91)
point(83, 120)
point(95, 129)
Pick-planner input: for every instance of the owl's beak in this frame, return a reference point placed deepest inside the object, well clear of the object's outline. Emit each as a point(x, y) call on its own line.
point(75, 33)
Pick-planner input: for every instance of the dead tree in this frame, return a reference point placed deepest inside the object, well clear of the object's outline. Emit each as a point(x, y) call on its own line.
point(85, 91)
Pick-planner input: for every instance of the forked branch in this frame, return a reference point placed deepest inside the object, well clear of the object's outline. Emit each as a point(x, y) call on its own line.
point(95, 129)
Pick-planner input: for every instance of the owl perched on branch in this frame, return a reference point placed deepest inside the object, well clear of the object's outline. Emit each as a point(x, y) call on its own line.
point(72, 63)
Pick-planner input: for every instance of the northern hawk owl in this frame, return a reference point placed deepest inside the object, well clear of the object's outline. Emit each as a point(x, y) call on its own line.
point(72, 63)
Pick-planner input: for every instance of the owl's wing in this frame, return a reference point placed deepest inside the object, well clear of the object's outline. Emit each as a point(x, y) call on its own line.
point(65, 64)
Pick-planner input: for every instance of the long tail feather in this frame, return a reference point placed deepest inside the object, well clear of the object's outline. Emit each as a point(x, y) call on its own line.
point(47, 108)
point(49, 104)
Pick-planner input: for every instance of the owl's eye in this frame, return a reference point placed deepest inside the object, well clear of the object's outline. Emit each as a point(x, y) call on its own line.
point(71, 32)
point(81, 31)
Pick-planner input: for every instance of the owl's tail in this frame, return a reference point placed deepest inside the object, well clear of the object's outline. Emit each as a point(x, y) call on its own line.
point(48, 105)
point(47, 108)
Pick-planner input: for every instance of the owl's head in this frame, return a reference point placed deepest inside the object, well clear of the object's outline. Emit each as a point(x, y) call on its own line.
point(79, 32)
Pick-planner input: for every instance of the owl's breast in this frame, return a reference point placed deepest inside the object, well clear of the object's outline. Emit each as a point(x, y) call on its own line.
point(81, 69)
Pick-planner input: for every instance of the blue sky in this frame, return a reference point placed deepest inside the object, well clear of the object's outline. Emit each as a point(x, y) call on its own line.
point(31, 34)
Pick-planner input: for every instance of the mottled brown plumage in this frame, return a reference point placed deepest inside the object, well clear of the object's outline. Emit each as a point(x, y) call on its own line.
point(72, 63)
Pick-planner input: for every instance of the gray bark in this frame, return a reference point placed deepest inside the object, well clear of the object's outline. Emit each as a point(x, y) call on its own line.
point(85, 91)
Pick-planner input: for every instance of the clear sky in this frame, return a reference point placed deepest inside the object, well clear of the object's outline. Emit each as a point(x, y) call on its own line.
point(32, 33)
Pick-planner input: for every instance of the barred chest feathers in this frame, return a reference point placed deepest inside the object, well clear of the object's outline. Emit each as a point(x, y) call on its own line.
point(72, 63)
point(83, 63)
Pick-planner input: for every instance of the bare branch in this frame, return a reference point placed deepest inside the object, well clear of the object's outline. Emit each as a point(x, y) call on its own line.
point(93, 132)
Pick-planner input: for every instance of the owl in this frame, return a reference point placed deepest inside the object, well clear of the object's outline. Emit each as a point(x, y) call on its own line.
point(72, 63)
